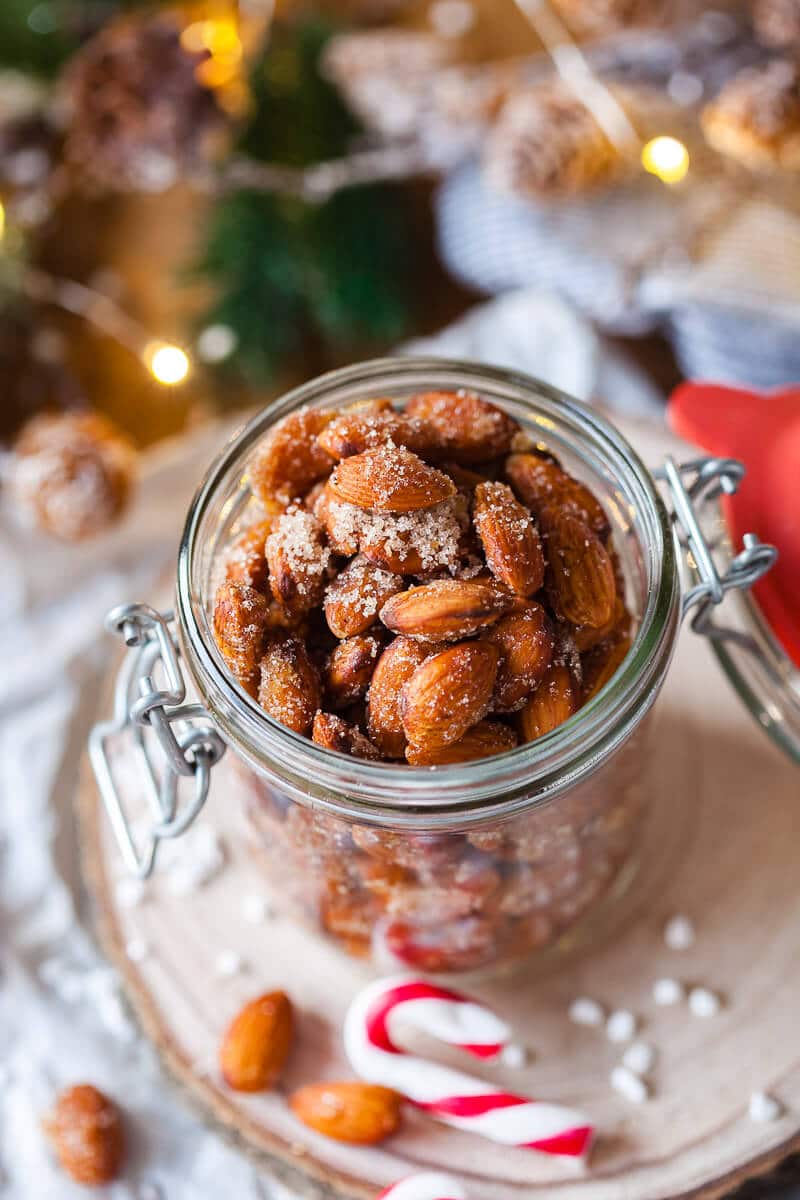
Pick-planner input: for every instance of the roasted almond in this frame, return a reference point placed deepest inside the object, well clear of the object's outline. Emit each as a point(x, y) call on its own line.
point(448, 694)
point(241, 622)
point(483, 740)
point(359, 430)
point(580, 577)
point(298, 560)
point(469, 429)
point(356, 596)
point(553, 702)
point(445, 610)
point(340, 521)
point(289, 688)
point(389, 479)
point(396, 665)
point(525, 642)
point(257, 1043)
point(355, 1112)
point(85, 1128)
point(416, 543)
point(334, 733)
point(509, 537)
point(247, 558)
point(602, 663)
point(290, 459)
point(541, 483)
point(585, 637)
point(349, 669)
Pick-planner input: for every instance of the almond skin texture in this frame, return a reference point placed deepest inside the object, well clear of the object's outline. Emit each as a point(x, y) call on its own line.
point(395, 667)
point(354, 432)
point(580, 580)
point(298, 560)
point(540, 484)
point(448, 694)
point(389, 479)
point(553, 702)
point(334, 733)
point(356, 596)
point(290, 689)
point(290, 459)
point(469, 429)
point(445, 610)
point(483, 740)
point(257, 1043)
point(349, 668)
point(525, 641)
point(241, 621)
point(359, 1113)
point(510, 540)
point(85, 1128)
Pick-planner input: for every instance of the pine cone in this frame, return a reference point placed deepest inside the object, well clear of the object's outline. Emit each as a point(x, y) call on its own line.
point(777, 22)
point(139, 113)
point(756, 117)
point(547, 144)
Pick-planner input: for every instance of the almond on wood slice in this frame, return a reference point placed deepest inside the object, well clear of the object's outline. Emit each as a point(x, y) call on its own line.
point(298, 560)
point(541, 484)
point(85, 1128)
point(396, 665)
point(241, 621)
point(602, 663)
point(349, 669)
point(334, 733)
point(525, 641)
point(389, 479)
point(448, 694)
point(290, 459)
point(445, 610)
point(257, 1043)
point(484, 739)
point(290, 688)
point(509, 537)
point(356, 431)
point(553, 702)
point(470, 429)
point(580, 577)
point(356, 596)
point(355, 1112)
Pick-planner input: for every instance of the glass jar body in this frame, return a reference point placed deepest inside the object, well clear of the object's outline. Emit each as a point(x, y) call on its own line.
point(468, 866)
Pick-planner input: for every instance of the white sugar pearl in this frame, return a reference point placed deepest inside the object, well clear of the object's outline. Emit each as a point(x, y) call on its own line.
point(629, 1085)
point(621, 1026)
point(668, 991)
point(585, 1011)
point(764, 1108)
point(228, 963)
point(255, 909)
point(639, 1057)
point(703, 1002)
point(679, 933)
point(137, 950)
point(513, 1055)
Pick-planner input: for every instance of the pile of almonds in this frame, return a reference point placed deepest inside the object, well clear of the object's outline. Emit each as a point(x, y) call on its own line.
point(424, 585)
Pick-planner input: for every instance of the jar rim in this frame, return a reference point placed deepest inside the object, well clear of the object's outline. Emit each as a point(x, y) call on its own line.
point(535, 771)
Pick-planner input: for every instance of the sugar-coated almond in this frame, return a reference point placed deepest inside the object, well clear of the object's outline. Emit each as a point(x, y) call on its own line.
point(359, 430)
point(585, 637)
point(298, 560)
point(445, 610)
point(580, 577)
point(509, 537)
point(85, 1128)
point(469, 429)
point(334, 733)
point(396, 665)
point(389, 479)
point(349, 669)
point(541, 483)
point(483, 740)
point(525, 642)
point(247, 559)
point(339, 520)
point(601, 663)
point(448, 694)
point(553, 702)
point(416, 543)
point(355, 1112)
point(356, 596)
point(289, 688)
point(290, 459)
point(241, 622)
point(257, 1043)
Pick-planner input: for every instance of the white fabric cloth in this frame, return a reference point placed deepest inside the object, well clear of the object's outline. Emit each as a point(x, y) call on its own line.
point(62, 1015)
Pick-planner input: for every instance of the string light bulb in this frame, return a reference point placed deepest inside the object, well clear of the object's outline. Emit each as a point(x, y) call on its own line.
point(168, 364)
point(667, 158)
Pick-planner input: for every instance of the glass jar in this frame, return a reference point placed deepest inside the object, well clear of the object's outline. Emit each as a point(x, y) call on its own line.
point(450, 868)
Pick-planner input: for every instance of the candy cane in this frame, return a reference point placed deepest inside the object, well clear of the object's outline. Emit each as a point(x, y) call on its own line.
point(430, 1185)
point(452, 1096)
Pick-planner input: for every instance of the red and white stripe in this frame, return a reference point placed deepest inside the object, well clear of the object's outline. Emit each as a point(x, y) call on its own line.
point(430, 1185)
point(451, 1096)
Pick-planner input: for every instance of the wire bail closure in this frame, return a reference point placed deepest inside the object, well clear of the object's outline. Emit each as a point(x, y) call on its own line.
point(189, 744)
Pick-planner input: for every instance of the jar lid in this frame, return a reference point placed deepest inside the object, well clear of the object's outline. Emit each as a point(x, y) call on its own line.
point(755, 634)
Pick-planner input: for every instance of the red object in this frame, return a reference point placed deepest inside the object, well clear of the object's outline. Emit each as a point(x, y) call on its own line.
point(763, 430)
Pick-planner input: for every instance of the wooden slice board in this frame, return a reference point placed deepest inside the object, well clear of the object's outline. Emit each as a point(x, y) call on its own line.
point(721, 847)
